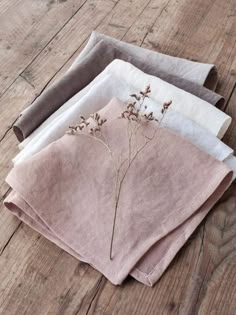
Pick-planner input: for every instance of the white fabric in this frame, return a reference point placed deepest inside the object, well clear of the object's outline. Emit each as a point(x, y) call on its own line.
point(231, 162)
point(99, 95)
point(203, 113)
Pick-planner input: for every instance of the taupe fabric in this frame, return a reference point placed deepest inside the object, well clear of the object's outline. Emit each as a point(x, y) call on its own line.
point(84, 70)
point(66, 192)
point(62, 90)
point(196, 72)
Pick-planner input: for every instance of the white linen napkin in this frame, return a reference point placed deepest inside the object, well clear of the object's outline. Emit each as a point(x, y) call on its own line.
point(101, 93)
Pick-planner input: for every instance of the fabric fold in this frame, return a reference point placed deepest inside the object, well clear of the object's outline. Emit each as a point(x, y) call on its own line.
point(156, 68)
point(200, 73)
point(207, 116)
point(99, 95)
point(87, 67)
point(62, 90)
point(67, 190)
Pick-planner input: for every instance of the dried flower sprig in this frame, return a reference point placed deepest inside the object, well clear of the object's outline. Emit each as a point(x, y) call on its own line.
point(165, 107)
point(92, 130)
point(136, 117)
point(84, 124)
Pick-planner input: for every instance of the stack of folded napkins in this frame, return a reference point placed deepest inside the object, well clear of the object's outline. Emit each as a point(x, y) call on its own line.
point(64, 183)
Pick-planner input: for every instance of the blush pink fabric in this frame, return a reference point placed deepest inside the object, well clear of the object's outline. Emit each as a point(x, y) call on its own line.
point(66, 193)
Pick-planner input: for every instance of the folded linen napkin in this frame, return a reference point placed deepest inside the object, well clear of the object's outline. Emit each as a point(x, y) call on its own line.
point(62, 90)
point(101, 93)
point(207, 116)
point(201, 73)
point(157, 68)
point(85, 70)
point(66, 190)
point(215, 121)
point(158, 258)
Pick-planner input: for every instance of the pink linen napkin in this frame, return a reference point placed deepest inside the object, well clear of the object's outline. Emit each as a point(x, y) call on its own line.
point(66, 193)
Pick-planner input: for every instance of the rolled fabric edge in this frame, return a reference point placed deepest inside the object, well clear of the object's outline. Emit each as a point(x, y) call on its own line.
point(211, 79)
point(224, 126)
point(19, 133)
point(220, 102)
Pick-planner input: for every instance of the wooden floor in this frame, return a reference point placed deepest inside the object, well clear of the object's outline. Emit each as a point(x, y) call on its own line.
point(38, 42)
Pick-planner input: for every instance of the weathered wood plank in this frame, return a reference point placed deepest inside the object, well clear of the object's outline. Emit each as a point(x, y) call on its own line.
point(145, 22)
point(8, 224)
point(26, 27)
point(188, 29)
point(6, 4)
point(12, 102)
point(217, 256)
point(230, 137)
point(36, 277)
point(77, 31)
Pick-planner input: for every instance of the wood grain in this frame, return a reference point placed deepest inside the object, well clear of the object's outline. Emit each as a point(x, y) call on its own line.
point(11, 103)
point(52, 283)
point(230, 136)
point(34, 25)
point(44, 37)
point(77, 30)
point(189, 29)
point(218, 292)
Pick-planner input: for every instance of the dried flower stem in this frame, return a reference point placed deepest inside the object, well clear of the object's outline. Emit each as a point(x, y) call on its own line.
point(136, 120)
point(120, 187)
point(99, 140)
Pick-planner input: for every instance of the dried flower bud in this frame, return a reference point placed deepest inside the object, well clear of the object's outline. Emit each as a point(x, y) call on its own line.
point(165, 106)
point(148, 90)
point(136, 97)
